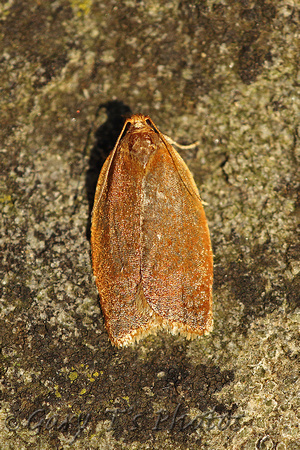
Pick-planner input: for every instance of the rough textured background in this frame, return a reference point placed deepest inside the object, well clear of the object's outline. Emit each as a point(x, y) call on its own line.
point(222, 72)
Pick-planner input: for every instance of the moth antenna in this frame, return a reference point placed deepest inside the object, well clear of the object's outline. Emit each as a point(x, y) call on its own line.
point(183, 147)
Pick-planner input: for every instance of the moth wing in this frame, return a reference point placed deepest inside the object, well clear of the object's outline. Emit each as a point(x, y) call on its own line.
point(115, 242)
point(176, 251)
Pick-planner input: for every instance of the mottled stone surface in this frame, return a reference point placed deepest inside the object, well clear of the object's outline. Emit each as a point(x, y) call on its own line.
point(224, 73)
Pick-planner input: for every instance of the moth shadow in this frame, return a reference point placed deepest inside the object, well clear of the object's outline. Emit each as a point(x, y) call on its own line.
point(105, 138)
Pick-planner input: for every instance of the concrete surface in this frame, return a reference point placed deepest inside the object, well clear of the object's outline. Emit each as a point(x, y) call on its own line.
point(225, 73)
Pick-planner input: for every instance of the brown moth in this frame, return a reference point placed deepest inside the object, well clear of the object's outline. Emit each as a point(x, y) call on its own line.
point(151, 250)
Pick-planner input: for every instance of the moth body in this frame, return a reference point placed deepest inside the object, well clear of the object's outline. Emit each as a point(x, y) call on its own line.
point(151, 250)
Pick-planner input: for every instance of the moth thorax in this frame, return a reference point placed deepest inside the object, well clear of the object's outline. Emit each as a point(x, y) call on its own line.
point(143, 146)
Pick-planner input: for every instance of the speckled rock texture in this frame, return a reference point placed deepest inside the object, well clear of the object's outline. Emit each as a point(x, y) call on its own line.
point(225, 73)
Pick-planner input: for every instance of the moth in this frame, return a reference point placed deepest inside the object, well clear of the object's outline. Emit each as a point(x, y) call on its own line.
point(151, 251)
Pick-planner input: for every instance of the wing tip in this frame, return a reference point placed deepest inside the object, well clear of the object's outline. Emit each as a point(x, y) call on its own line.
point(158, 324)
